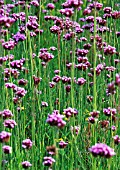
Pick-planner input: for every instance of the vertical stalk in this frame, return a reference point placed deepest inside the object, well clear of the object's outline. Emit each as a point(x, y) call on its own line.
point(94, 87)
point(59, 51)
point(73, 60)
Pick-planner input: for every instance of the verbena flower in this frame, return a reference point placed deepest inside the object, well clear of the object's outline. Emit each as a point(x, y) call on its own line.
point(92, 119)
point(101, 149)
point(22, 82)
point(56, 119)
point(104, 123)
point(68, 88)
point(94, 113)
point(62, 144)
point(111, 88)
point(4, 136)
point(19, 37)
point(113, 128)
point(48, 161)
point(69, 112)
point(27, 144)
point(116, 139)
point(109, 111)
point(81, 81)
point(26, 164)
point(109, 50)
point(56, 79)
point(6, 113)
point(10, 123)
point(36, 80)
point(50, 6)
point(7, 149)
point(9, 45)
point(117, 80)
point(67, 12)
point(35, 3)
point(107, 10)
point(72, 3)
point(44, 104)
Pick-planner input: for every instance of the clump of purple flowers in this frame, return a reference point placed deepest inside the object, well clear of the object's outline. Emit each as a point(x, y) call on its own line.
point(56, 119)
point(4, 136)
point(9, 123)
point(62, 144)
point(6, 113)
point(116, 139)
point(117, 80)
point(109, 111)
point(19, 37)
point(50, 6)
point(48, 161)
point(45, 56)
point(109, 50)
point(26, 164)
point(27, 143)
point(101, 149)
point(72, 4)
point(69, 112)
point(111, 89)
point(7, 149)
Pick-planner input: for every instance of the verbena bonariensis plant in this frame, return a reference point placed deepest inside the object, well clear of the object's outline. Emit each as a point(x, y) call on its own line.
point(59, 57)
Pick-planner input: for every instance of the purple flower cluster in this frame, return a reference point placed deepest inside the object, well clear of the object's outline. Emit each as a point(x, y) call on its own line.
point(81, 81)
point(72, 4)
point(27, 143)
point(10, 72)
point(117, 80)
point(22, 82)
point(32, 23)
point(36, 80)
point(67, 12)
point(17, 63)
point(111, 89)
point(50, 6)
point(56, 119)
point(26, 164)
point(7, 149)
point(6, 58)
point(45, 56)
point(9, 45)
point(4, 136)
point(62, 144)
point(116, 139)
point(69, 112)
point(9, 123)
point(6, 114)
point(48, 161)
point(93, 117)
point(109, 111)
point(109, 50)
point(35, 3)
point(19, 37)
point(18, 91)
point(101, 149)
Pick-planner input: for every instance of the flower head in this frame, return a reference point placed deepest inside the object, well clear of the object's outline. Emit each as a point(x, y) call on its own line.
point(4, 136)
point(7, 149)
point(48, 161)
point(26, 164)
point(27, 143)
point(101, 149)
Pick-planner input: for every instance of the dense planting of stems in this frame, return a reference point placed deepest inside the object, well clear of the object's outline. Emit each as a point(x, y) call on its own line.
point(59, 84)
